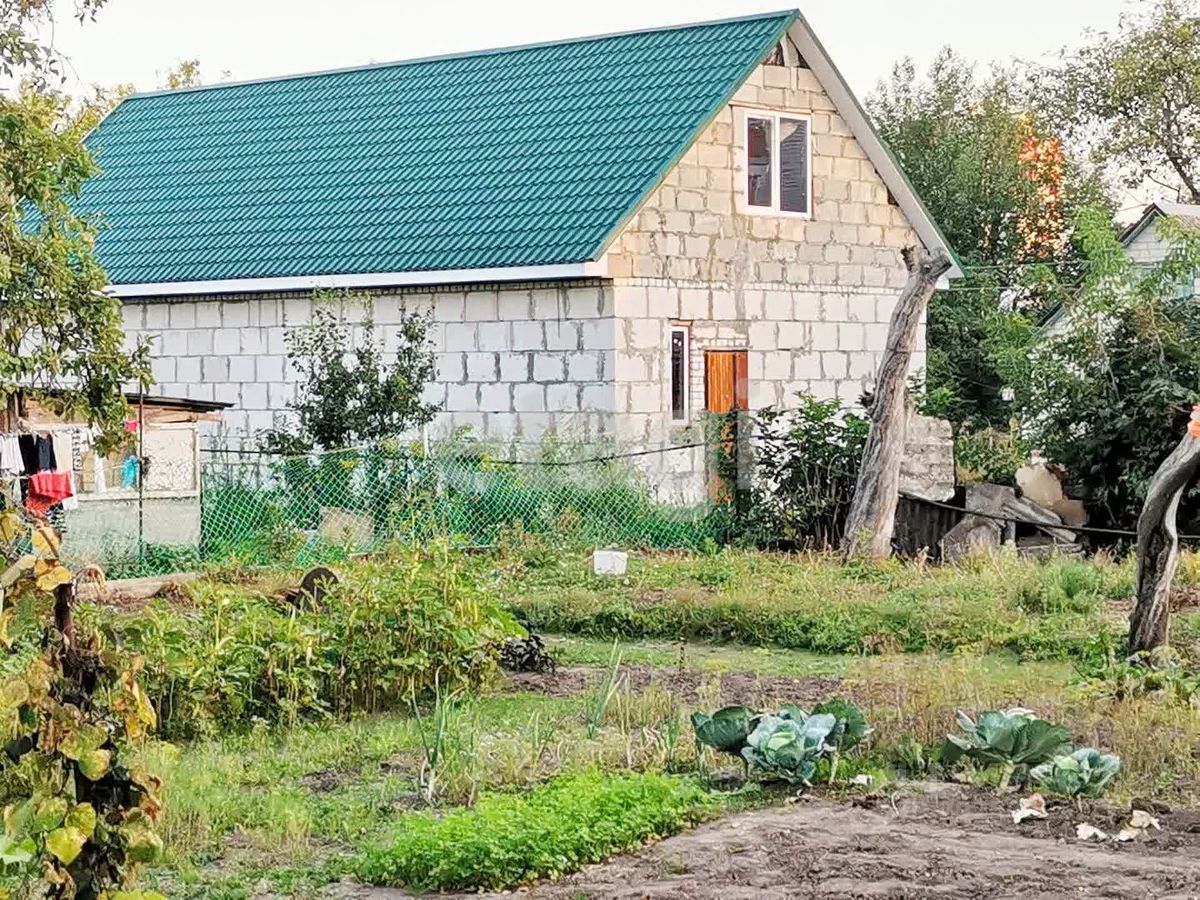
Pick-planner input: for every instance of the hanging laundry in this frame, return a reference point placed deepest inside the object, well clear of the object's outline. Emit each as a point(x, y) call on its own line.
point(47, 489)
point(11, 461)
point(129, 473)
point(29, 452)
point(63, 442)
point(45, 454)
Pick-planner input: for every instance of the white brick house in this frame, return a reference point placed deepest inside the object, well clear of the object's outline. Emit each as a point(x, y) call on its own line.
point(659, 211)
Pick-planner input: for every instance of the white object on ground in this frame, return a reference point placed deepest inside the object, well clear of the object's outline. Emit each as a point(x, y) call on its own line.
point(1086, 832)
point(610, 562)
point(1032, 807)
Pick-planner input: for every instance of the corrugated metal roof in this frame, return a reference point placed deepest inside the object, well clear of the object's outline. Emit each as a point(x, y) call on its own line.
point(515, 157)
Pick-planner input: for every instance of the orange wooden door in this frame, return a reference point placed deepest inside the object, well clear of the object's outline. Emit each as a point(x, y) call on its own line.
point(726, 389)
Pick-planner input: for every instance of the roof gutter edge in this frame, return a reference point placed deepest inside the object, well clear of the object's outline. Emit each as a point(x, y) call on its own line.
point(555, 272)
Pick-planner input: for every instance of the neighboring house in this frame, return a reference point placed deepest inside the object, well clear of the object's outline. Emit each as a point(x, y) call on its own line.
point(1145, 245)
point(612, 234)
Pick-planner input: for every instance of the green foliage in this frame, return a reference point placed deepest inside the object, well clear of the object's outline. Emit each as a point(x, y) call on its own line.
point(789, 745)
point(990, 455)
point(806, 463)
point(509, 839)
point(1085, 772)
point(964, 141)
point(348, 393)
point(851, 728)
point(725, 730)
point(81, 815)
point(822, 605)
point(394, 629)
point(1108, 397)
point(1012, 738)
point(1133, 96)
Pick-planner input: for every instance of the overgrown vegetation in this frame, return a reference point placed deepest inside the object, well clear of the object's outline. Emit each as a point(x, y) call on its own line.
point(393, 630)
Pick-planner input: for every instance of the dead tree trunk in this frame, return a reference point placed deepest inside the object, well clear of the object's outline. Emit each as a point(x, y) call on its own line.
point(1158, 547)
point(872, 516)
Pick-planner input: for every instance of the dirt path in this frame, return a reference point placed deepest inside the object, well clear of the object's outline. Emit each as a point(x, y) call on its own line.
point(925, 848)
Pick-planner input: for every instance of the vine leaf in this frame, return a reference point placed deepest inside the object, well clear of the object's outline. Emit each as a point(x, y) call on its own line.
point(46, 541)
point(66, 843)
point(50, 573)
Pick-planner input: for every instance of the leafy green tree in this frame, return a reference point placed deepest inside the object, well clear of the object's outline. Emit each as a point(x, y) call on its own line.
point(1000, 185)
point(1109, 394)
point(60, 335)
point(349, 392)
point(1133, 96)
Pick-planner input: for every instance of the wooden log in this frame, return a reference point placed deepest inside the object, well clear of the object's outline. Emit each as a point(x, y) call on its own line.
point(872, 516)
point(1158, 546)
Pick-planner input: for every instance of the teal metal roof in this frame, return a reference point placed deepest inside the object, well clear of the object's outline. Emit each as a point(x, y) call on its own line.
point(514, 157)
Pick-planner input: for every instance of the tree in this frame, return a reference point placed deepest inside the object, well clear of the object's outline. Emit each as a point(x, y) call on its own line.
point(349, 394)
point(1133, 97)
point(998, 181)
point(61, 337)
point(1108, 396)
point(872, 516)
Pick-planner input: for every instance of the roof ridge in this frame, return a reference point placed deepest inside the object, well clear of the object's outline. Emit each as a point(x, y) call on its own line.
point(460, 54)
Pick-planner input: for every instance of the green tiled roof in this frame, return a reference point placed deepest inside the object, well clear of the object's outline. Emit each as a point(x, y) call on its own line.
point(514, 157)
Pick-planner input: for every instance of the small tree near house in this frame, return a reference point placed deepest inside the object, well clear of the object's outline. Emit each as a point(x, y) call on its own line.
point(350, 393)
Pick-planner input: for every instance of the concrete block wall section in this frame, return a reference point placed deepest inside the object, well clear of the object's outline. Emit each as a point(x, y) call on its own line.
point(513, 361)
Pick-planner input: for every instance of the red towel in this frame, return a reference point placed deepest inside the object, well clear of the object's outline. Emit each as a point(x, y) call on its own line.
point(46, 489)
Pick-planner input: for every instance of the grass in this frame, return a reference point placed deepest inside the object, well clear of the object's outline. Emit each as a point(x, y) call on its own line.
point(289, 809)
point(1037, 611)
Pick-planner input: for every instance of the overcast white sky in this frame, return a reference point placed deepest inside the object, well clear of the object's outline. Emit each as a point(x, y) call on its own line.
point(138, 40)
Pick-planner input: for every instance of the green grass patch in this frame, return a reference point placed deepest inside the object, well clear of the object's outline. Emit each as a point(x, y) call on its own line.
point(510, 839)
point(1035, 610)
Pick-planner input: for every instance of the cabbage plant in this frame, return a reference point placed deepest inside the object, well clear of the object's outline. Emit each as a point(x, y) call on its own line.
point(1084, 773)
point(725, 730)
point(788, 746)
point(1014, 737)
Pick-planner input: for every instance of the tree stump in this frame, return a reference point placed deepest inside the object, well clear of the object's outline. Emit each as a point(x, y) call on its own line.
point(1158, 544)
point(872, 516)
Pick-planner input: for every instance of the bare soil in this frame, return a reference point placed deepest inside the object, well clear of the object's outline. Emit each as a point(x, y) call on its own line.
point(743, 688)
point(945, 844)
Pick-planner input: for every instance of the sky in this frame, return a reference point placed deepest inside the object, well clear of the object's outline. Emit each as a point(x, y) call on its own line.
point(137, 41)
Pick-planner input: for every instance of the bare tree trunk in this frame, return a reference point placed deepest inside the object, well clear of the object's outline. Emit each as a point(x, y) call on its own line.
point(872, 516)
point(1158, 547)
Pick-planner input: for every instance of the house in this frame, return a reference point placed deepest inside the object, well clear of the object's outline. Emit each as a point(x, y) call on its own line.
point(611, 234)
point(1145, 245)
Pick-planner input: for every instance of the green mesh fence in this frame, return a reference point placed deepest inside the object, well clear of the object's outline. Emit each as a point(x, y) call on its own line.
point(269, 510)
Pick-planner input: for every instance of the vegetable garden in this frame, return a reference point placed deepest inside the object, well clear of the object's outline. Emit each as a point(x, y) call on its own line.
point(652, 736)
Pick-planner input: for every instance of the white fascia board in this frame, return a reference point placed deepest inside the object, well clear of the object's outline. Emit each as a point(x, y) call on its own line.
point(872, 144)
point(565, 271)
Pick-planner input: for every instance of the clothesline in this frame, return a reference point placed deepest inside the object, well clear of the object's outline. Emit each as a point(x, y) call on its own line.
point(40, 465)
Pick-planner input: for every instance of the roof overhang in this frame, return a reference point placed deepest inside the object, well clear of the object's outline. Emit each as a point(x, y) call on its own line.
point(560, 272)
point(868, 138)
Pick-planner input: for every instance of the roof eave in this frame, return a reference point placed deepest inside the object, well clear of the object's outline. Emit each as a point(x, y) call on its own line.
point(351, 281)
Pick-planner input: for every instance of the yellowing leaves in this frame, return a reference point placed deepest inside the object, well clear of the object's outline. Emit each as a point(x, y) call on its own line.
point(46, 541)
point(11, 528)
point(49, 574)
point(66, 844)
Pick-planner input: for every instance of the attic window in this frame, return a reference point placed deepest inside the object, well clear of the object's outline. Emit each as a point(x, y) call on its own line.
point(778, 163)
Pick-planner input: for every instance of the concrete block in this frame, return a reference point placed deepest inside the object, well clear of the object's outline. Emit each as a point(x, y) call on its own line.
point(514, 366)
point(241, 368)
point(156, 316)
point(529, 398)
point(528, 336)
point(598, 334)
point(236, 313)
point(562, 397)
point(200, 341)
point(451, 367)
point(270, 368)
point(462, 397)
point(612, 563)
point(495, 398)
point(460, 336)
point(547, 303)
point(182, 315)
point(494, 336)
point(253, 396)
point(548, 367)
point(562, 334)
point(172, 343)
point(583, 366)
point(482, 306)
point(824, 336)
point(482, 367)
point(515, 305)
point(215, 368)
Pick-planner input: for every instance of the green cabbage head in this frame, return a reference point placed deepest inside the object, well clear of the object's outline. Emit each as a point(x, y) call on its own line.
point(1084, 773)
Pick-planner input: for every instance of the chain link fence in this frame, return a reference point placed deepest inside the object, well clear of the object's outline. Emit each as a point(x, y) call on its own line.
point(264, 509)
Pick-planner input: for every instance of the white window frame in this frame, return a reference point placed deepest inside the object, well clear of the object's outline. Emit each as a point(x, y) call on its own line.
point(745, 113)
point(686, 331)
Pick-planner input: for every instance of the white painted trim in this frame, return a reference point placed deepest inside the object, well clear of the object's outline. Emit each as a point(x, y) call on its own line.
point(595, 269)
point(743, 113)
point(851, 110)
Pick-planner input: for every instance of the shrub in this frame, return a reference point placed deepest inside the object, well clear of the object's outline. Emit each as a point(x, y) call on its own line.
point(386, 635)
point(509, 839)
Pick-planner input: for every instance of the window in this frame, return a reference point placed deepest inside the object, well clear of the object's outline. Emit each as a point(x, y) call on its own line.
point(778, 174)
point(679, 372)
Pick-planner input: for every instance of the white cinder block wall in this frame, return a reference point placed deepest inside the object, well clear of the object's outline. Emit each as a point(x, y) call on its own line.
point(809, 298)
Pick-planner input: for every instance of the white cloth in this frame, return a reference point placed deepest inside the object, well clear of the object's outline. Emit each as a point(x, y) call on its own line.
point(64, 456)
point(10, 456)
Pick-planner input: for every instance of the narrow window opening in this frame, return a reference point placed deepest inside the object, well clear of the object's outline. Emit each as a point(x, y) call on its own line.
point(679, 373)
point(760, 146)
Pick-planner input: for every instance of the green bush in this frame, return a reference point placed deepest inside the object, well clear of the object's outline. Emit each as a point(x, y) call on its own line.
point(386, 635)
point(509, 839)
